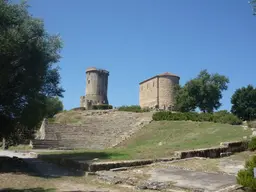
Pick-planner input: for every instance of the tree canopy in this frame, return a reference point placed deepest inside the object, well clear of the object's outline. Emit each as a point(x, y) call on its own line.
point(253, 3)
point(203, 92)
point(53, 106)
point(244, 103)
point(28, 74)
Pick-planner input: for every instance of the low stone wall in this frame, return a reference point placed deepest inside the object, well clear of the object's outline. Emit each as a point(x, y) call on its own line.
point(236, 146)
point(214, 152)
point(99, 166)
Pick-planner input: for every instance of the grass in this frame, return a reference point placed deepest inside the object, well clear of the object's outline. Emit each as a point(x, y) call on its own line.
point(68, 117)
point(20, 147)
point(211, 165)
point(162, 138)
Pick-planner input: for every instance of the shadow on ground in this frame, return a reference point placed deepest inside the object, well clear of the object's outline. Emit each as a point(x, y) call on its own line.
point(85, 156)
point(35, 167)
point(27, 190)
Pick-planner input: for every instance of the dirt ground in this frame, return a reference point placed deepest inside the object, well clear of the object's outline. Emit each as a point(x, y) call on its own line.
point(178, 176)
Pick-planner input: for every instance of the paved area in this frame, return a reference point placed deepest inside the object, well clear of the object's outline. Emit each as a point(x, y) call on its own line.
point(192, 179)
point(159, 177)
point(231, 166)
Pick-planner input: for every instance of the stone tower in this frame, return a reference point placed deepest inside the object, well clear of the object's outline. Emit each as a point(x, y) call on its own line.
point(96, 88)
point(158, 91)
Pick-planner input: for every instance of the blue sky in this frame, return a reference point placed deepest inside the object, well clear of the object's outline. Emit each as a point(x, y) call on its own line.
point(137, 39)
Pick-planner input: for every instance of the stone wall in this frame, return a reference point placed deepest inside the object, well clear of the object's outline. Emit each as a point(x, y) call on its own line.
point(149, 93)
point(158, 91)
point(166, 91)
point(214, 152)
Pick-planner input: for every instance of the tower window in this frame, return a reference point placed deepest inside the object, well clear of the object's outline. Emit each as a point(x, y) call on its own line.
point(153, 83)
point(88, 81)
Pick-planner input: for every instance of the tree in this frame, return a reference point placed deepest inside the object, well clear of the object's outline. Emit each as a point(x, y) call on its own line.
point(184, 101)
point(244, 103)
point(28, 75)
point(204, 92)
point(53, 106)
point(253, 3)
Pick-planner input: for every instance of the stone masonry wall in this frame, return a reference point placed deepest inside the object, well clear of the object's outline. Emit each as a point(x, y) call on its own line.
point(166, 91)
point(148, 93)
point(158, 91)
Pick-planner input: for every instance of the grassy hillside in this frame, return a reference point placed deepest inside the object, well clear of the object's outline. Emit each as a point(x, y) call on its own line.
point(162, 138)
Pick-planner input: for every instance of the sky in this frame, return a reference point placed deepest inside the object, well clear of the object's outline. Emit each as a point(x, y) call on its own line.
point(137, 39)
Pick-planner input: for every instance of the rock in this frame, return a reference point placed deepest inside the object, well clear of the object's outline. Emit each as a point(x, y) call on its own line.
point(160, 143)
point(245, 137)
point(253, 129)
point(153, 185)
point(225, 154)
point(254, 133)
point(119, 169)
point(89, 173)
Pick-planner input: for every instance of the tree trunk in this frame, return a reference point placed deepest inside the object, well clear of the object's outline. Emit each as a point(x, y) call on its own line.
point(3, 144)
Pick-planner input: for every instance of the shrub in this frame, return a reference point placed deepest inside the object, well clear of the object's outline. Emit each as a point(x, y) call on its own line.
point(218, 117)
point(102, 107)
point(79, 109)
point(133, 108)
point(245, 177)
point(252, 144)
point(252, 124)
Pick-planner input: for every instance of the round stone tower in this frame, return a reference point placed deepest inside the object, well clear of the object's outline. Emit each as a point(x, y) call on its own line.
point(167, 82)
point(96, 86)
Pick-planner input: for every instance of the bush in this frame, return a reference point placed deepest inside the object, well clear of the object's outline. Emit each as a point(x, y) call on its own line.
point(252, 124)
point(245, 177)
point(218, 117)
point(252, 144)
point(79, 109)
point(102, 107)
point(133, 108)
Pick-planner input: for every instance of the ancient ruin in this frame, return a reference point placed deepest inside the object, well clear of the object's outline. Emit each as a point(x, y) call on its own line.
point(96, 88)
point(158, 91)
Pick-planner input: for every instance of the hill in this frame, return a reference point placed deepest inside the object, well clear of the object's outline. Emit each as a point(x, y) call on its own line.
point(155, 139)
point(162, 138)
point(93, 129)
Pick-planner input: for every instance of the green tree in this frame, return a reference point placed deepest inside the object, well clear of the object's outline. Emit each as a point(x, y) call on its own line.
point(28, 74)
point(253, 3)
point(244, 103)
point(53, 106)
point(204, 92)
point(185, 102)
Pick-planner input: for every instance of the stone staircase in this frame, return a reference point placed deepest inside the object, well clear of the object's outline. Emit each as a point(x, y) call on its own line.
point(99, 130)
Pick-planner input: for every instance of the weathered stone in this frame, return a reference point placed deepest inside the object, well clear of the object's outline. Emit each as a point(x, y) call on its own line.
point(98, 166)
point(225, 154)
point(89, 173)
point(214, 152)
point(154, 185)
point(158, 91)
point(102, 130)
point(120, 169)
